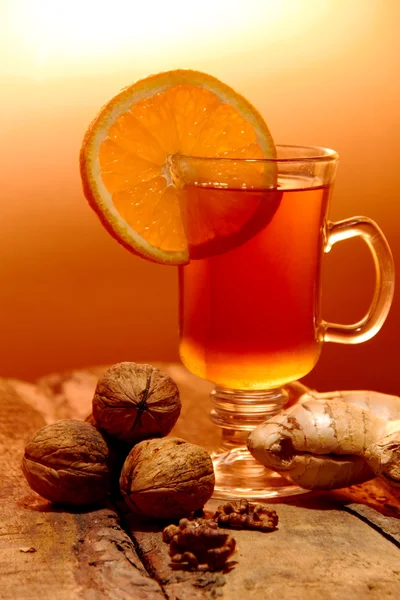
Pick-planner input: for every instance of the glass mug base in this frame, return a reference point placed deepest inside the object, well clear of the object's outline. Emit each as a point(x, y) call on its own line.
point(237, 473)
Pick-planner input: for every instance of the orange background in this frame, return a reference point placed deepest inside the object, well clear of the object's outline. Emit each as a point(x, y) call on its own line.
point(321, 72)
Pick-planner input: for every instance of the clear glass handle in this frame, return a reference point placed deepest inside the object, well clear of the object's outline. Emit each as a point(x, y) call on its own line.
point(367, 327)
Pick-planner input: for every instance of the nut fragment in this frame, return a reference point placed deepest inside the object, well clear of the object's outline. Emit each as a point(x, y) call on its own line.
point(135, 402)
point(169, 532)
point(246, 515)
point(167, 478)
point(199, 542)
point(68, 462)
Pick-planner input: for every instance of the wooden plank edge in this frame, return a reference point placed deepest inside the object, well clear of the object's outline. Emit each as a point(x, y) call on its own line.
point(387, 526)
point(108, 562)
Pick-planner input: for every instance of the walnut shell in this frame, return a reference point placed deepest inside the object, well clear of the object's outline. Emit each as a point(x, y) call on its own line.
point(167, 478)
point(68, 462)
point(135, 402)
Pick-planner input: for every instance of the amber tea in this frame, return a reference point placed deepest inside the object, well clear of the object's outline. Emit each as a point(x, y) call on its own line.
point(249, 315)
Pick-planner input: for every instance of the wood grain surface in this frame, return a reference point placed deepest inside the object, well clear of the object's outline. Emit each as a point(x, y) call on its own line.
point(336, 545)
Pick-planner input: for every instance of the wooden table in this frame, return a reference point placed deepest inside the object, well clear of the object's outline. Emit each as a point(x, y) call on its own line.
point(337, 545)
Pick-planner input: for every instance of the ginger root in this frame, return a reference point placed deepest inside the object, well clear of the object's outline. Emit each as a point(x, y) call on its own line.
point(332, 440)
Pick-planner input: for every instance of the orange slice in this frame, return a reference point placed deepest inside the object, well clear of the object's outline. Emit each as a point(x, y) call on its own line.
point(130, 179)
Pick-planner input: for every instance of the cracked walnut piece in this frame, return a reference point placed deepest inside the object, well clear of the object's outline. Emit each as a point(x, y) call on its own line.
point(199, 542)
point(244, 514)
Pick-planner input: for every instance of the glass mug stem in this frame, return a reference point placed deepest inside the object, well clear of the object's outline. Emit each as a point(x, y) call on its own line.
point(370, 324)
point(243, 410)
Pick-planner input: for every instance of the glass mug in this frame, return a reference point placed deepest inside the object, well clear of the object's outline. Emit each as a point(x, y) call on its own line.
point(250, 318)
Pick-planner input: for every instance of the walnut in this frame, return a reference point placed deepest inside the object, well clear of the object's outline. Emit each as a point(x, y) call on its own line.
point(135, 402)
point(246, 515)
point(68, 462)
point(199, 542)
point(167, 478)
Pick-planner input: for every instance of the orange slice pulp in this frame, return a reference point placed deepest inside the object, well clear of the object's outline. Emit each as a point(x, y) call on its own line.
point(131, 176)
